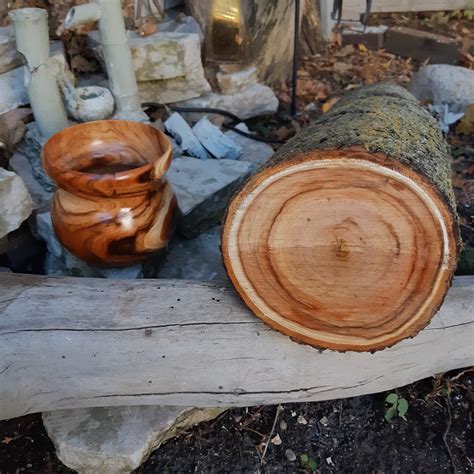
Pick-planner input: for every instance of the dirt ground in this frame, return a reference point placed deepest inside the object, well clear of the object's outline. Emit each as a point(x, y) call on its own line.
point(349, 435)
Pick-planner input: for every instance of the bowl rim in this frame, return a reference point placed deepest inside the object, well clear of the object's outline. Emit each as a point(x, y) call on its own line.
point(108, 184)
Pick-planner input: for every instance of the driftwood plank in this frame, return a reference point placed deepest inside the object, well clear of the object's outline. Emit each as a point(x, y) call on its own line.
point(77, 342)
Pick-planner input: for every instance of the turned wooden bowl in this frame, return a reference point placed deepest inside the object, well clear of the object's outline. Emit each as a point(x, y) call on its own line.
point(113, 206)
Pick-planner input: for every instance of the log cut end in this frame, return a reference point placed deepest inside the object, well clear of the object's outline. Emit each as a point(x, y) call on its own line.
point(341, 248)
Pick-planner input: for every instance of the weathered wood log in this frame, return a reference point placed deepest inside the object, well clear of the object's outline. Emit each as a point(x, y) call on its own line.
point(80, 342)
point(348, 237)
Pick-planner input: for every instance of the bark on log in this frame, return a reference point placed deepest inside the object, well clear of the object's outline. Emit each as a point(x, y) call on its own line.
point(82, 342)
point(348, 238)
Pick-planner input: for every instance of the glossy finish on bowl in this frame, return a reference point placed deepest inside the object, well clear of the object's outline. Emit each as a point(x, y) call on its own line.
point(113, 206)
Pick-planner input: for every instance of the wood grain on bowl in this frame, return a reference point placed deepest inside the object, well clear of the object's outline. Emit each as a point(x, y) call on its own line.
point(113, 206)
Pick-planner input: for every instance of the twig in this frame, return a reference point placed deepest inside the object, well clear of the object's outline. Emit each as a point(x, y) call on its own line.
point(247, 421)
point(246, 428)
point(445, 435)
point(279, 408)
point(461, 374)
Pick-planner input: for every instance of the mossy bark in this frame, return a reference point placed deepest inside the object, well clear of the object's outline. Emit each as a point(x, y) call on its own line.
point(382, 118)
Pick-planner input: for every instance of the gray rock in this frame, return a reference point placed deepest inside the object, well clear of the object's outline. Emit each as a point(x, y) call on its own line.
point(61, 262)
point(31, 147)
point(9, 56)
point(290, 455)
point(195, 259)
point(166, 56)
point(253, 151)
point(251, 102)
point(215, 142)
point(444, 85)
point(184, 136)
point(22, 166)
point(15, 202)
point(237, 81)
point(13, 92)
point(117, 440)
point(203, 190)
point(177, 150)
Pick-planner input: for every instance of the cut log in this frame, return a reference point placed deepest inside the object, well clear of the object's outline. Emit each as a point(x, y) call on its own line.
point(348, 237)
point(82, 342)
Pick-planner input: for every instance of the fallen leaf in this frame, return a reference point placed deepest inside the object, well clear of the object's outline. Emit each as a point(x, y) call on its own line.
point(7, 440)
point(345, 51)
point(145, 27)
point(342, 68)
point(327, 105)
point(336, 38)
point(466, 124)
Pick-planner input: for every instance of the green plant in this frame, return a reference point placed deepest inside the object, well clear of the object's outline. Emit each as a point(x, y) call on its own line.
point(308, 462)
point(397, 407)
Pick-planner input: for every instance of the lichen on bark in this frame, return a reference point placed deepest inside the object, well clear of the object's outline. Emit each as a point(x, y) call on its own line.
point(382, 118)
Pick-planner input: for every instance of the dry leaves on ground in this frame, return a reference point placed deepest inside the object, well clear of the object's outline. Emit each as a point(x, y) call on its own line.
point(324, 77)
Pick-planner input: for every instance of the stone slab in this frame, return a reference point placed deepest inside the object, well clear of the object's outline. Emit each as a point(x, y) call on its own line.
point(16, 204)
point(197, 259)
point(422, 45)
point(9, 56)
point(13, 92)
point(237, 81)
point(171, 90)
point(185, 137)
point(203, 190)
point(117, 440)
point(253, 151)
point(251, 102)
point(373, 37)
point(22, 166)
point(165, 55)
point(443, 84)
point(31, 147)
point(167, 64)
point(220, 146)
